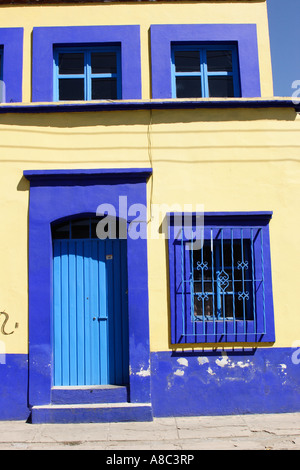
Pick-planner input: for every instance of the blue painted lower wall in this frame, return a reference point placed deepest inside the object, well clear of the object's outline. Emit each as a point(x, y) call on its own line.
point(196, 383)
point(209, 383)
point(14, 387)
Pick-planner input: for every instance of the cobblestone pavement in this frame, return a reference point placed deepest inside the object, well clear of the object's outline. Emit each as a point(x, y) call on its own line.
point(241, 432)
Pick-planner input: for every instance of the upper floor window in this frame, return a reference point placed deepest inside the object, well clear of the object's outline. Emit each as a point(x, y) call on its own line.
point(11, 65)
point(204, 60)
point(104, 49)
point(1, 60)
point(204, 71)
point(2, 90)
point(87, 73)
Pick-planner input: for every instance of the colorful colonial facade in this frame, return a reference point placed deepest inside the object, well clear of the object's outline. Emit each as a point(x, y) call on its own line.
point(149, 208)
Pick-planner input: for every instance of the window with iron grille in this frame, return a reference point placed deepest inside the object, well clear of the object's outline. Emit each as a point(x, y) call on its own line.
point(220, 284)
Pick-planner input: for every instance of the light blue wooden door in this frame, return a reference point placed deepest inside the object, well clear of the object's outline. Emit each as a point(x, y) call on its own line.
point(90, 320)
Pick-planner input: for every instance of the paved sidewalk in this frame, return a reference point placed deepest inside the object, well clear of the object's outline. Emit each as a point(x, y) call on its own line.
point(253, 432)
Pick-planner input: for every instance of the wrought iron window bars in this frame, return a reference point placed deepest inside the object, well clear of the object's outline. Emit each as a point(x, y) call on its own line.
point(222, 292)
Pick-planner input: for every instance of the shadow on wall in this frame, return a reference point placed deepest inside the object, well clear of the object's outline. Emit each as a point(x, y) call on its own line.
point(23, 185)
point(141, 117)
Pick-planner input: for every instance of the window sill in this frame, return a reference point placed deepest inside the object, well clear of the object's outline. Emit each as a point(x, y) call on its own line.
point(127, 105)
point(228, 331)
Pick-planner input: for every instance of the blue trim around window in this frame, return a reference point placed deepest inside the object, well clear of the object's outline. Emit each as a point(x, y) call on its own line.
point(245, 228)
point(203, 70)
point(2, 88)
point(87, 75)
point(243, 35)
point(11, 42)
point(45, 39)
point(56, 195)
point(1, 62)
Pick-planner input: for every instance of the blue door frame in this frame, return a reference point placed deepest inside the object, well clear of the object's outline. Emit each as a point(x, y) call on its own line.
point(60, 194)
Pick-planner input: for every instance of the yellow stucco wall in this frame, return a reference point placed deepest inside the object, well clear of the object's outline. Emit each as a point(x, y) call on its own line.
point(227, 160)
point(143, 14)
point(246, 160)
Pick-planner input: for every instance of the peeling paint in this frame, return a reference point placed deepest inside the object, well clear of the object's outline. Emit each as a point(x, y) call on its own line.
point(243, 364)
point(222, 362)
point(260, 381)
point(210, 371)
point(225, 361)
point(202, 360)
point(144, 373)
point(283, 371)
point(183, 361)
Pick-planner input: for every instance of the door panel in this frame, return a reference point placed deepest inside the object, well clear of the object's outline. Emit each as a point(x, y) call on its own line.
point(90, 320)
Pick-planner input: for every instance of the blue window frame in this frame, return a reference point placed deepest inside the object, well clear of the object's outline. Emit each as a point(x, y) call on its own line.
point(46, 39)
point(221, 287)
point(1, 62)
point(165, 36)
point(11, 64)
point(204, 71)
point(2, 91)
point(87, 73)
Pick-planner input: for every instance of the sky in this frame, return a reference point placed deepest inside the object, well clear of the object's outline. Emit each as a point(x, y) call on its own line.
point(284, 27)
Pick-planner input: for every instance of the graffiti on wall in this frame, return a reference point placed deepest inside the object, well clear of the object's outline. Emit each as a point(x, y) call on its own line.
point(3, 321)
